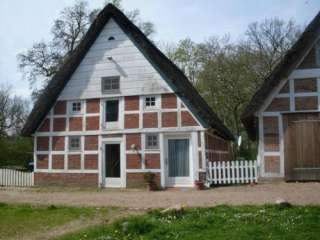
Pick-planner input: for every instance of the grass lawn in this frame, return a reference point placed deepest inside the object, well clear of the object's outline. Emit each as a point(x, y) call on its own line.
point(222, 222)
point(25, 221)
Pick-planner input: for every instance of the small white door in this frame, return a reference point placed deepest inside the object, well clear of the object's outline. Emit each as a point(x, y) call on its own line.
point(112, 164)
point(178, 167)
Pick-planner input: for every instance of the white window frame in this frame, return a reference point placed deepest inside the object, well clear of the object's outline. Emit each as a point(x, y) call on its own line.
point(71, 111)
point(156, 106)
point(111, 125)
point(147, 146)
point(110, 78)
point(72, 149)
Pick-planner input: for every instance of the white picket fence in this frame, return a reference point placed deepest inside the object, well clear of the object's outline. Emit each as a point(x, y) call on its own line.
point(232, 172)
point(10, 177)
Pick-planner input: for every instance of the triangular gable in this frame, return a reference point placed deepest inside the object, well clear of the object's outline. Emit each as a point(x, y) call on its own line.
point(174, 77)
point(282, 71)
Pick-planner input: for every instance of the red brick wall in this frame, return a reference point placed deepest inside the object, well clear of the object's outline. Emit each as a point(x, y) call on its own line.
point(91, 143)
point(271, 133)
point(150, 120)
point(45, 126)
point(152, 160)
point(187, 119)
point(169, 119)
point(131, 121)
point(272, 164)
point(92, 123)
point(133, 138)
point(169, 100)
point(58, 143)
point(131, 103)
point(306, 103)
point(57, 161)
point(220, 150)
point(279, 104)
point(75, 124)
point(42, 143)
point(42, 161)
point(93, 106)
point(133, 161)
point(74, 161)
point(60, 108)
point(136, 180)
point(66, 179)
point(59, 124)
point(91, 161)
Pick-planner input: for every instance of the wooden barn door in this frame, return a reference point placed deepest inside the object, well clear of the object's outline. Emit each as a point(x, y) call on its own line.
point(302, 146)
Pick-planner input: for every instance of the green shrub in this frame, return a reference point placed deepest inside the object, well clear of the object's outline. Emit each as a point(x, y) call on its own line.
point(15, 151)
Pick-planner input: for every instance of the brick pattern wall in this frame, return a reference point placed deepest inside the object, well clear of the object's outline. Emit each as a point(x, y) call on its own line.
point(271, 134)
point(169, 100)
point(60, 108)
point(43, 161)
point(217, 149)
point(59, 124)
point(92, 123)
point(131, 121)
point(57, 161)
point(91, 143)
point(93, 106)
point(169, 119)
point(150, 120)
point(187, 119)
point(131, 103)
point(152, 160)
point(58, 143)
point(75, 124)
point(74, 161)
point(279, 105)
point(42, 143)
point(91, 161)
point(45, 126)
point(66, 179)
point(136, 180)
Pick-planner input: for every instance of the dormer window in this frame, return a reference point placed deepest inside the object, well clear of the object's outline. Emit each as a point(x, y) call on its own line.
point(110, 84)
point(111, 38)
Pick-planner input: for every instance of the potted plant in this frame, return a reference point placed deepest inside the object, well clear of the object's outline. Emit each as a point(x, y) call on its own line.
point(199, 185)
point(149, 177)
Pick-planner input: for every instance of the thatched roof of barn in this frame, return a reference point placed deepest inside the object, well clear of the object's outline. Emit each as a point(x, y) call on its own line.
point(281, 71)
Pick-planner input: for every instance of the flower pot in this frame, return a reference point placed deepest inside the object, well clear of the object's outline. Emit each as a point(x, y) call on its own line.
point(199, 185)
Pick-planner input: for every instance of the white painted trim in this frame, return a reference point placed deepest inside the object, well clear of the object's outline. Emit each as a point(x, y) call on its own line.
point(203, 151)
point(65, 171)
point(305, 73)
point(281, 145)
point(162, 160)
point(143, 170)
point(291, 92)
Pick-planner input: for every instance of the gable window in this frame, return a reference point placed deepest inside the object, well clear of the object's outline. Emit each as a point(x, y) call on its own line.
point(110, 84)
point(152, 141)
point(74, 143)
point(76, 107)
point(150, 102)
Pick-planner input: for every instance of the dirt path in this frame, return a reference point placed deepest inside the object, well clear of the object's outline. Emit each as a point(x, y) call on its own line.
point(79, 224)
point(296, 193)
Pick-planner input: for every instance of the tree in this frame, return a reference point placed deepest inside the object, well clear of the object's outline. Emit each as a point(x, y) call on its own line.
point(13, 113)
point(43, 59)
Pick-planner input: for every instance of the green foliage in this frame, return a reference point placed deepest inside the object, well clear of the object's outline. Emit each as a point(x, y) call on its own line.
point(26, 221)
point(222, 222)
point(15, 151)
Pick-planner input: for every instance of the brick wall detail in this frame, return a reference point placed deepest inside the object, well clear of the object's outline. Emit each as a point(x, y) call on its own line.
point(92, 123)
point(91, 143)
point(168, 100)
point(131, 121)
point(169, 119)
point(58, 143)
point(74, 161)
point(59, 124)
point(91, 161)
point(60, 108)
point(66, 179)
point(150, 120)
point(131, 103)
point(75, 124)
point(152, 160)
point(187, 119)
point(57, 161)
point(93, 106)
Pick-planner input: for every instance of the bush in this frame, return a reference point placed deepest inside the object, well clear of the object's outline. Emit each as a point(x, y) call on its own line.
point(16, 152)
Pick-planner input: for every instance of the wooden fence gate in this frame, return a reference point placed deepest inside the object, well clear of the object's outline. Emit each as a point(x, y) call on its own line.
point(232, 172)
point(10, 177)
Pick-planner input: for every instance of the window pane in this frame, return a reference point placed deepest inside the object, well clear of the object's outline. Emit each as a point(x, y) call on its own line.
point(110, 83)
point(150, 101)
point(112, 111)
point(152, 141)
point(76, 106)
point(74, 143)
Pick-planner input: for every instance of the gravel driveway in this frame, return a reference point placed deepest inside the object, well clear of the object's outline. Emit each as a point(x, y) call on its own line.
point(296, 193)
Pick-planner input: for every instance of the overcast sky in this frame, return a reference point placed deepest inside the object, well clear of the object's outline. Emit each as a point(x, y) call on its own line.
point(23, 22)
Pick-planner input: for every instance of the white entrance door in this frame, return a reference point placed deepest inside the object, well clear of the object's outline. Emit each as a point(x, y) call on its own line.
point(178, 167)
point(112, 169)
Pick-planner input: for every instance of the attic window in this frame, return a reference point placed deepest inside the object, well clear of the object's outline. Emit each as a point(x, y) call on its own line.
point(110, 84)
point(111, 38)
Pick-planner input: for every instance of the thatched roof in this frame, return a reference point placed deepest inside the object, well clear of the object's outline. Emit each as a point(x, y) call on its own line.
point(281, 71)
point(169, 71)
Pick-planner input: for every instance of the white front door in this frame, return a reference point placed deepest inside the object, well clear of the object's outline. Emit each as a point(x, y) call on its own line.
point(112, 167)
point(178, 167)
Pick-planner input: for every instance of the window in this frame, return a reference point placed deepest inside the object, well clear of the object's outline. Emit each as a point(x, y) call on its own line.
point(112, 111)
point(152, 141)
point(111, 38)
point(110, 84)
point(74, 143)
point(76, 107)
point(150, 102)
